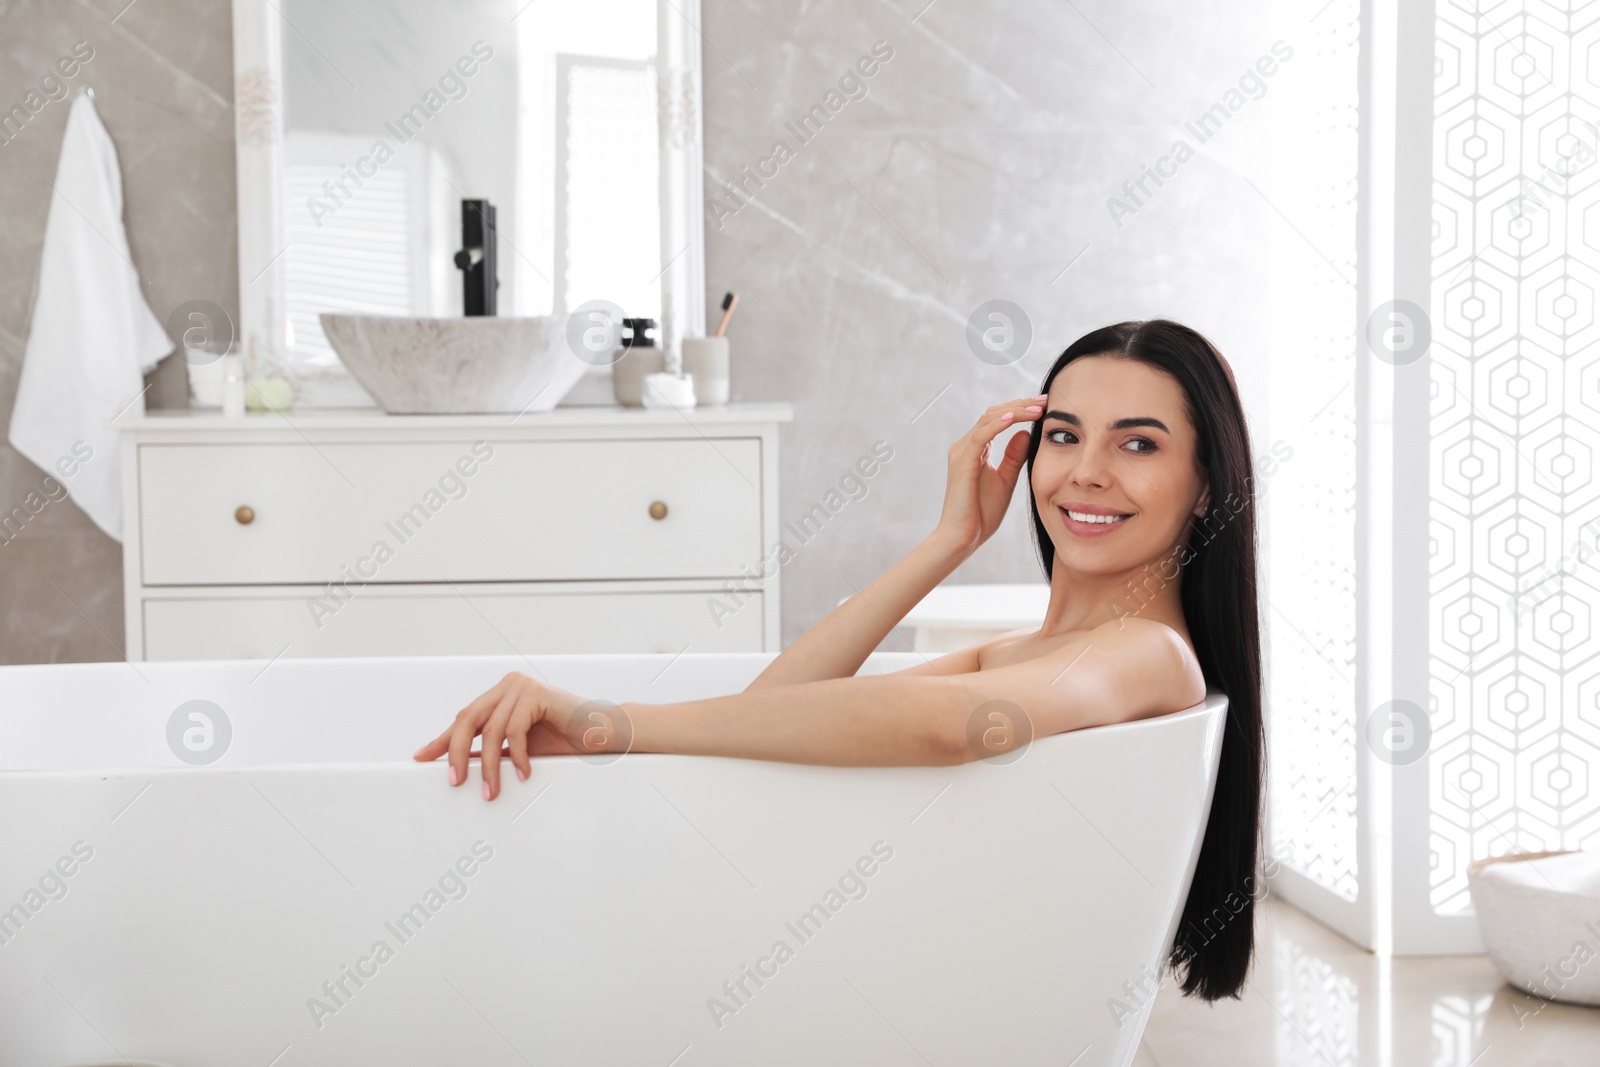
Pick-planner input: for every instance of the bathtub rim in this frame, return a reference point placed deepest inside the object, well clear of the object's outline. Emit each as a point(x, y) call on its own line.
point(1215, 704)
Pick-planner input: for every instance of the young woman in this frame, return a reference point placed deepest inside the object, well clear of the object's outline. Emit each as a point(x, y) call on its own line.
point(1143, 513)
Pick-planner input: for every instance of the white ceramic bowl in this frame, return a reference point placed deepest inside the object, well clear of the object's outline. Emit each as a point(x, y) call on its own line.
point(1535, 909)
point(468, 365)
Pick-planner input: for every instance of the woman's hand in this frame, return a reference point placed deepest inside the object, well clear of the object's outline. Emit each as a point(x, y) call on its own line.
point(976, 495)
point(531, 718)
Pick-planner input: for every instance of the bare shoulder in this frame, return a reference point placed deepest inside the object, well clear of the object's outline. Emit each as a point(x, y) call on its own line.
point(1152, 666)
point(1124, 670)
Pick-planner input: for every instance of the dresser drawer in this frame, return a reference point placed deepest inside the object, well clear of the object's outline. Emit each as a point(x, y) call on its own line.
point(448, 623)
point(448, 511)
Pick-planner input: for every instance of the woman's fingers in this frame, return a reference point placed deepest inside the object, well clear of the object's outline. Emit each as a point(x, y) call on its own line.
point(517, 734)
point(970, 489)
point(1017, 406)
point(461, 737)
point(1012, 459)
point(1000, 416)
point(511, 719)
point(978, 444)
point(1025, 408)
point(494, 733)
point(468, 722)
point(435, 748)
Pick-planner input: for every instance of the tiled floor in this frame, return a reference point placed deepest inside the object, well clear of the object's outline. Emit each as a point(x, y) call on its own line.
point(1316, 999)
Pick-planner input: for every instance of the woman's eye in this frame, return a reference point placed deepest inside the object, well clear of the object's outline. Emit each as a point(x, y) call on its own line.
point(1148, 445)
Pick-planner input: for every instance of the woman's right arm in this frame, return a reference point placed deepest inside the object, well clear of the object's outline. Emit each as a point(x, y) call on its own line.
point(840, 643)
point(976, 498)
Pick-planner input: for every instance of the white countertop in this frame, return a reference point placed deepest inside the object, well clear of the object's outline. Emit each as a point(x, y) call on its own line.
point(980, 606)
point(373, 418)
point(1005, 607)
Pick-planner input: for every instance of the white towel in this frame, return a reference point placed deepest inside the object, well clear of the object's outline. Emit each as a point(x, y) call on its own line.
point(93, 337)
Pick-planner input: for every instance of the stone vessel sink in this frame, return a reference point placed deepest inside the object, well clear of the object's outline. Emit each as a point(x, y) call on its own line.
point(456, 366)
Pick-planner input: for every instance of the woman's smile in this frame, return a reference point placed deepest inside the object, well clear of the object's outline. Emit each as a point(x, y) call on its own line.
point(1090, 520)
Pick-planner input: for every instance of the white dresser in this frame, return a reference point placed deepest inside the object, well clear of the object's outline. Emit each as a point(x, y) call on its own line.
point(328, 533)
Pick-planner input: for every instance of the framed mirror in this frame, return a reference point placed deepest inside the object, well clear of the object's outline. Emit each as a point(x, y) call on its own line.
point(364, 125)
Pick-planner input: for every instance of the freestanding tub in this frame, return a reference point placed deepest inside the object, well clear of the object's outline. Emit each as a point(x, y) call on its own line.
point(312, 897)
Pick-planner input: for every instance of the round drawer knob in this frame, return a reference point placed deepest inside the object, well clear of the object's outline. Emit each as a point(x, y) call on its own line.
point(245, 515)
point(658, 509)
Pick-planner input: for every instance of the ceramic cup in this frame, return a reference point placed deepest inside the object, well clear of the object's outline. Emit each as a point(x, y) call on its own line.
point(706, 358)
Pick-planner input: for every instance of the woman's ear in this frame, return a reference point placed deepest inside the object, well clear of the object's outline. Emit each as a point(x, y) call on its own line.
point(1204, 503)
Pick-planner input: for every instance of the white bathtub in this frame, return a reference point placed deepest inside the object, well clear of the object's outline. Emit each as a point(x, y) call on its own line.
point(596, 914)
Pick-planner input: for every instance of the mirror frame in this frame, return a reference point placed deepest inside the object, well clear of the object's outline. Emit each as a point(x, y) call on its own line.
point(258, 141)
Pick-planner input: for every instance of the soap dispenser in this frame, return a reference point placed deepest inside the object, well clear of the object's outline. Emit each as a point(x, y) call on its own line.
point(640, 356)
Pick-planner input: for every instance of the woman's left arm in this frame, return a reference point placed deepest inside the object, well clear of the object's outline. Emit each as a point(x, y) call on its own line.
point(871, 720)
point(868, 721)
point(875, 720)
point(1111, 675)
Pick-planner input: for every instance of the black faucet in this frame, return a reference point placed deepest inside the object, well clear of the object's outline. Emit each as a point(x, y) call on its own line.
point(480, 279)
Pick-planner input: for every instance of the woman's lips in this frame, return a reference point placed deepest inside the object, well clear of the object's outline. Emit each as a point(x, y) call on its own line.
point(1091, 529)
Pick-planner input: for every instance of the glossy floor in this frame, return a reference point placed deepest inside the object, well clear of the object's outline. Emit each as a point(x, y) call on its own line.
point(1316, 998)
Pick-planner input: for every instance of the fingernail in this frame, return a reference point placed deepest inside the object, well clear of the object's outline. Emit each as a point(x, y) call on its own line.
point(452, 775)
point(522, 774)
point(486, 790)
point(1035, 407)
point(1007, 415)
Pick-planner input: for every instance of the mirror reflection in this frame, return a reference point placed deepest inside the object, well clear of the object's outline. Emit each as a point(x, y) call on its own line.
point(544, 115)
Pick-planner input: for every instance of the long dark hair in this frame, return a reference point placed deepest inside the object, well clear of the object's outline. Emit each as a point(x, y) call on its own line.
point(1218, 593)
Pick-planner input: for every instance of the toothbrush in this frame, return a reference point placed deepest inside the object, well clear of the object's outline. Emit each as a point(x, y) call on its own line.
point(729, 302)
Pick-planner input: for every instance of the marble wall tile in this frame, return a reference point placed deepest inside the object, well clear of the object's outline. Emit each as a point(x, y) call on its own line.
point(162, 75)
point(977, 165)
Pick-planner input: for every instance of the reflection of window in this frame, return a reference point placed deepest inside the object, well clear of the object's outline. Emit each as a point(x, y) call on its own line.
point(355, 249)
point(608, 212)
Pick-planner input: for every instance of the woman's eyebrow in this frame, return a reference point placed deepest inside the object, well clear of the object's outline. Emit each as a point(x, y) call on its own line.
point(1120, 424)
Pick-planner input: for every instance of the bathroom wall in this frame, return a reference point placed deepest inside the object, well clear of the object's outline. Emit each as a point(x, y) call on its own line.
point(162, 72)
point(975, 164)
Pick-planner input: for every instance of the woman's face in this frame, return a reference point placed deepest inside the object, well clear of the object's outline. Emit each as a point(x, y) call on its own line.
point(1115, 440)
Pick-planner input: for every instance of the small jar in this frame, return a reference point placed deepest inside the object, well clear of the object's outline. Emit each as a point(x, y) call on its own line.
point(640, 356)
point(669, 391)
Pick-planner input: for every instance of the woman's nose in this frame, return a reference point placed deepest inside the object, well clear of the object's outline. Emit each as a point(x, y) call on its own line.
point(1090, 467)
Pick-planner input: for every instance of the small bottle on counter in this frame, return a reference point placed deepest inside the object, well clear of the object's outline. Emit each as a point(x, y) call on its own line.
point(232, 383)
point(640, 356)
